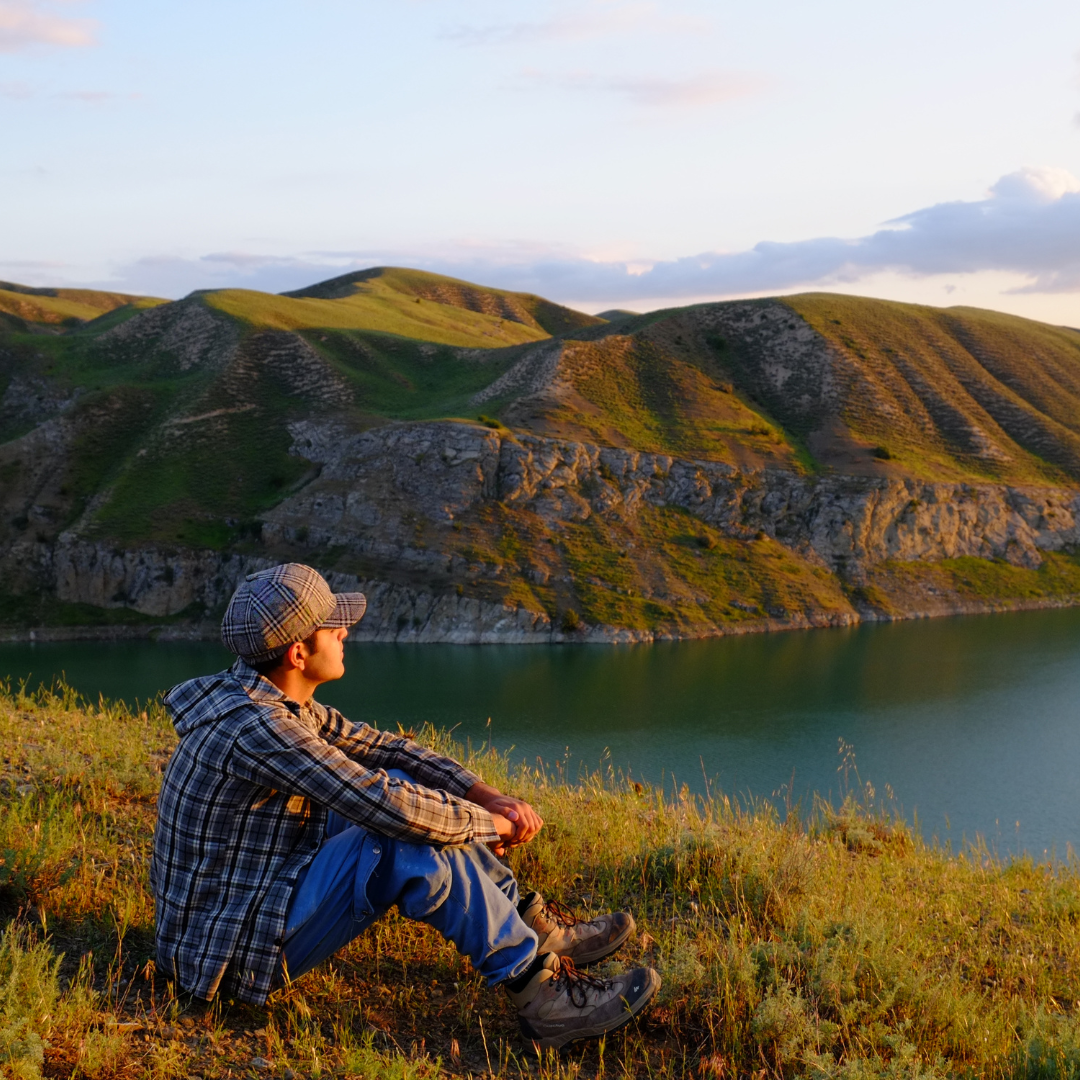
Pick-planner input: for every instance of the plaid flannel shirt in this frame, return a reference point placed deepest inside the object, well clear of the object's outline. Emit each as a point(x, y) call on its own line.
point(243, 809)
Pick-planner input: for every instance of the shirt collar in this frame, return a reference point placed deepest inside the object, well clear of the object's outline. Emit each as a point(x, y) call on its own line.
point(260, 688)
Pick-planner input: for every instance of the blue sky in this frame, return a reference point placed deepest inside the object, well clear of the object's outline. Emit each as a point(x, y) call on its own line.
point(604, 152)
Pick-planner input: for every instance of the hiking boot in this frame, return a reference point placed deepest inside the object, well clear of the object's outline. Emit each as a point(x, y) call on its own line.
point(560, 931)
point(560, 1004)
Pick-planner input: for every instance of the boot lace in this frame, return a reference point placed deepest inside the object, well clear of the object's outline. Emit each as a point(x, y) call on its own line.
point(562, 916)
point(577, 984)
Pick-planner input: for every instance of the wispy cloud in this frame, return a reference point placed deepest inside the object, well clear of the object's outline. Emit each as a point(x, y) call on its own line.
point(588, 21)
point(708, 88)
point(1027, 225)
point(649, 92)
point(25, 23)
point(22, 91)
point(97, 97)
point(16, 91)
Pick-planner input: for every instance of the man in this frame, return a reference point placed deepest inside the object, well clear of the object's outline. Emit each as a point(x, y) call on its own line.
point(284, 830)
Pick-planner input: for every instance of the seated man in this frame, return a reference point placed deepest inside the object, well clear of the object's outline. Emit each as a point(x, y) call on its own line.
point(284, 830)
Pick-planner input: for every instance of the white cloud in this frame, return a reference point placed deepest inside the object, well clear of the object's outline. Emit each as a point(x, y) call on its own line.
point(1040, 183)
point(1028, 225)
point(24, 23)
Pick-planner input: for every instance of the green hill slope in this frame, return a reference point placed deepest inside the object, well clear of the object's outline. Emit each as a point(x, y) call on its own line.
point(954, 393)
point(23, 308)
point(822, 382)
point(390, 285)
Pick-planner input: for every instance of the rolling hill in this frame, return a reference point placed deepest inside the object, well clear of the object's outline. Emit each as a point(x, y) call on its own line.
point(24, 309)
point(808, 460)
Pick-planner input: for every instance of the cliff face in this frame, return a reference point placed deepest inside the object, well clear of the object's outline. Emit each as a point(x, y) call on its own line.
point(393, 505)
point(372, 483)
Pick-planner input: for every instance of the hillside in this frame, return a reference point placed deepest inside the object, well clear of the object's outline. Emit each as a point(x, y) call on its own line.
point(498, 467)
point(24, 309)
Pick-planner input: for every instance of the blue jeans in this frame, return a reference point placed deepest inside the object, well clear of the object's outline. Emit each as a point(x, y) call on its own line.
point(357, 876)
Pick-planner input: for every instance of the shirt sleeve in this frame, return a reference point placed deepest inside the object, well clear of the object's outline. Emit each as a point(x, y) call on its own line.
point(386, 750)
point(279, 751)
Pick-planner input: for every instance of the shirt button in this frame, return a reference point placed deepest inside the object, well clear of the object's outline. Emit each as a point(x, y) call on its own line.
point(376, 850)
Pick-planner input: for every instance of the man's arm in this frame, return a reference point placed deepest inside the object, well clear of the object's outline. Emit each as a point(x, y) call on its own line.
point(382, 749)
point(387, 750)
point(276, 750)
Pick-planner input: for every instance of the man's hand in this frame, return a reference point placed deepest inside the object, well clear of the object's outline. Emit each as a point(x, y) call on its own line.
point(522, 822)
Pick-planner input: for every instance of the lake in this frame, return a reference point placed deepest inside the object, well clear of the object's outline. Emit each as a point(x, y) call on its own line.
point(972, 722)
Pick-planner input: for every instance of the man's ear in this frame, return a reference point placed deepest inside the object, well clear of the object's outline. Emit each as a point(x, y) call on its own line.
point(295, 656)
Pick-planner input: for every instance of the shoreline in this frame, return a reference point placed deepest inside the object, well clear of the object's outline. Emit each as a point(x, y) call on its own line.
point(586, 635)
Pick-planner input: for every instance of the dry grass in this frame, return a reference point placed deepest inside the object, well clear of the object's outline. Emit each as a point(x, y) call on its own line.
point(833, 945)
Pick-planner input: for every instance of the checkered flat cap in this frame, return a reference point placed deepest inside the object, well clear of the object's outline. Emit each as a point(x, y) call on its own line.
point(287, 603)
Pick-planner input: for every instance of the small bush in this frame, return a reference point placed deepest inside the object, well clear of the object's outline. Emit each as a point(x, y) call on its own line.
point(28, 995)
point(571, 621)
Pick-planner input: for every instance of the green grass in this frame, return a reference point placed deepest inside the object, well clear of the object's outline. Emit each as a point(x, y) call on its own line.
point(654, 394)
point(417, 285)
point(404, 379)
point(677, 575)
point(64, 307)
point(203, 490)
point(382, 310)
point(835, 944)
point(992, 582)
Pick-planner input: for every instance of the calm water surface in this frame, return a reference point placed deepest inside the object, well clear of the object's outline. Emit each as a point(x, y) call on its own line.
point(973, 722)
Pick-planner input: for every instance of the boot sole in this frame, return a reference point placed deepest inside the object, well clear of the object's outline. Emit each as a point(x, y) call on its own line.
point(557, 1042)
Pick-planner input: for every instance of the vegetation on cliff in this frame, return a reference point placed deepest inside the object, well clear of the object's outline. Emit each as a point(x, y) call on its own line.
point(827, 943)
point(138, 423)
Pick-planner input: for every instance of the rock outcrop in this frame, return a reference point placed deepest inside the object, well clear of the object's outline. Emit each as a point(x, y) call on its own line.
point(441, 470)
point(374, 488)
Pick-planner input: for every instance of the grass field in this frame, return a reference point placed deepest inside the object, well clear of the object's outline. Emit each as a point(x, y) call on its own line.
point(832, 944)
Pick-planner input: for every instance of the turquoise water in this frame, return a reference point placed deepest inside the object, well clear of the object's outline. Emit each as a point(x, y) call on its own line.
point(972, 722)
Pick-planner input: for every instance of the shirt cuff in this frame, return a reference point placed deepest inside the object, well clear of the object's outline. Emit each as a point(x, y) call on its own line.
point(484, 826)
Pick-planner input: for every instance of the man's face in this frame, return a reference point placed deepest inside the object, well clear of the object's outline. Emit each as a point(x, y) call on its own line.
point(326, 661)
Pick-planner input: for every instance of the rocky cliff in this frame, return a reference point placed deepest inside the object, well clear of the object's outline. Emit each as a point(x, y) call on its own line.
point(392, 505)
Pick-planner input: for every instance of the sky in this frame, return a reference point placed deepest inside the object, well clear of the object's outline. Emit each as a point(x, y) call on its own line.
point(602, 153)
